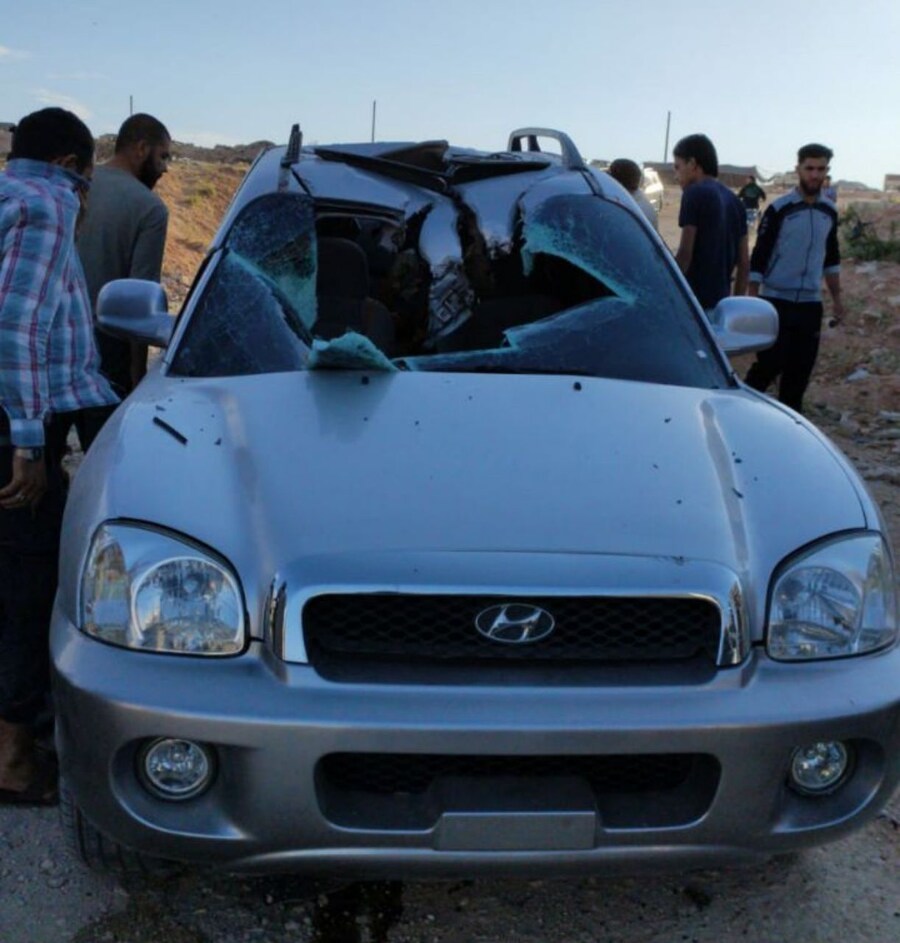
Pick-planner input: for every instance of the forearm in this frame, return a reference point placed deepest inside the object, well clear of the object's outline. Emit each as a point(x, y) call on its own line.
point(766, 238)
point(742, 269)
point(685, 252)
point(147, 254)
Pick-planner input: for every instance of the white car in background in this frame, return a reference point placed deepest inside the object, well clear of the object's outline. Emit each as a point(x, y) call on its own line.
point(652, 188)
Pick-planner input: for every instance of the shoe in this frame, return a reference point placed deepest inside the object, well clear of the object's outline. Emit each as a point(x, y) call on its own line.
point(22, 762)
point(42, 790)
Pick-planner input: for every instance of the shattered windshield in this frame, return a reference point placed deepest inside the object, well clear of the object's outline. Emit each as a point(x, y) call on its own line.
point(256, 312)
point(578, 287)
point(595, 297)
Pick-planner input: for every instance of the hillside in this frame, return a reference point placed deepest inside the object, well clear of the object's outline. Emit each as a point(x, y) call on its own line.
point(197, 194)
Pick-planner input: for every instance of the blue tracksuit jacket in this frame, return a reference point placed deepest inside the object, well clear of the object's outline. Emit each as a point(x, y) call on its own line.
point(796, 245)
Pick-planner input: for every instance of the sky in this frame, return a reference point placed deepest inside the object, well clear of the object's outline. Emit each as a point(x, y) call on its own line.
point(760, 79)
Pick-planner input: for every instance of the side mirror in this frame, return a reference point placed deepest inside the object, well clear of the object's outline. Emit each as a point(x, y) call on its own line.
point(743, 324)
point(134, 309)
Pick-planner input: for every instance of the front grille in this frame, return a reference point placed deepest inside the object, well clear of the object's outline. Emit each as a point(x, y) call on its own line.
point(388, 774)
point(440, 630)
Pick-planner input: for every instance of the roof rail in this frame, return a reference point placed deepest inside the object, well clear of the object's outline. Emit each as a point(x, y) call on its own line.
point(572, 159)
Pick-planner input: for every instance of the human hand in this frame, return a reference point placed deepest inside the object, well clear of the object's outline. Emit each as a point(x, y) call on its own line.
point(27, 485)
point(837, 314)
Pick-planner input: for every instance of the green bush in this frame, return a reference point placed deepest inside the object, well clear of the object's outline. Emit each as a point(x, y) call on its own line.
point(861, 239)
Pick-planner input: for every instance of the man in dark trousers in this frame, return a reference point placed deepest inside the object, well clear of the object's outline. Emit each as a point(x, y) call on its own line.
point(49, 377)
point(124, 232)
point(713, 225)
point(796, 248)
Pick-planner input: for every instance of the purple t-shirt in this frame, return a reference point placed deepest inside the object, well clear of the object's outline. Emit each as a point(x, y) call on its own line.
point(721, 223)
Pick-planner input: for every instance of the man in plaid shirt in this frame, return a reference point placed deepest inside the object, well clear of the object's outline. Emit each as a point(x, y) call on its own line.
point(49, 374)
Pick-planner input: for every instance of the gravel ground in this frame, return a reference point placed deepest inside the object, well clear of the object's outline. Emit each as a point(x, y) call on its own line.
point(847, 891)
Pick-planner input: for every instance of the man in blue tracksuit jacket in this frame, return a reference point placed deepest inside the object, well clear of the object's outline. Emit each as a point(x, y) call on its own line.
point(796, 247)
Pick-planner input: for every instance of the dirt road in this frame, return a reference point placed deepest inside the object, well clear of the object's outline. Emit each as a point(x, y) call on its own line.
point(847, 891)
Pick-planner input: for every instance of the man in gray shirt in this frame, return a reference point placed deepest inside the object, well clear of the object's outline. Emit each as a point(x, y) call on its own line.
point(124, 232)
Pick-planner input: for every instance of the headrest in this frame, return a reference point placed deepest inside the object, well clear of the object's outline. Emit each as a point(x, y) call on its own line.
point(342, 270)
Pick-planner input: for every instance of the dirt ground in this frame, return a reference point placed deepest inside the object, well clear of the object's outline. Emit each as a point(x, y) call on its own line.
point(846, 892)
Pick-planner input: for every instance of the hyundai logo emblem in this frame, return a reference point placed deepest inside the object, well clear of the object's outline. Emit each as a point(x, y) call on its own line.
point(515, 623)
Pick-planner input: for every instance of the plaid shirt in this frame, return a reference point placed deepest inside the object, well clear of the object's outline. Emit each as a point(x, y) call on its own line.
point(48, 356)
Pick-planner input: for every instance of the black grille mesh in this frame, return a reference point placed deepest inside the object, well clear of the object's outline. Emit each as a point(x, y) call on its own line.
point(441, 628)
point(387, 774)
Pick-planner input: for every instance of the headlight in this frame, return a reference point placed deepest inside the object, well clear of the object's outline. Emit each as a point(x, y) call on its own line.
point(834, 600)
point(147, 590)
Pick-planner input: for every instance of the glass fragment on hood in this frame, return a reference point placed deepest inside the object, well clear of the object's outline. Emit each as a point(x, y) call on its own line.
point(351, 351)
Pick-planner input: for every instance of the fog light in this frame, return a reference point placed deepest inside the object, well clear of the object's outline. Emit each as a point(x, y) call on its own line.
point(176, 769)
point(820, 767)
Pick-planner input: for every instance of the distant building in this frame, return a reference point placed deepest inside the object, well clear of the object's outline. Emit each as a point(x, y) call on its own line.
point(892, 183)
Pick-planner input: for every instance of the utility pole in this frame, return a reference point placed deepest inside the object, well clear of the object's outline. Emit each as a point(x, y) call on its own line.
point(130, 105)
point(666, 148)
point(374, 104)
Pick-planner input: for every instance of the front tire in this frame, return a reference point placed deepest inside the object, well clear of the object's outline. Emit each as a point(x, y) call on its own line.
point(100, 852)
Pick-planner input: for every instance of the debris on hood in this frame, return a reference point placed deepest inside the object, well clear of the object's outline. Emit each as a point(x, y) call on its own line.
point(350, 351)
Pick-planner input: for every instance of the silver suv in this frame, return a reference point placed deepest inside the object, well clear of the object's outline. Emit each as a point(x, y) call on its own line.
point(443, 539)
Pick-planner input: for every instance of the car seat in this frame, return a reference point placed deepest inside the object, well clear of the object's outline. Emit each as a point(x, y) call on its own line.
point(342, 293)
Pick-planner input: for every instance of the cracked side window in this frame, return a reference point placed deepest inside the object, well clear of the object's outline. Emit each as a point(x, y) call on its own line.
point(596, 298)
point(259, 303)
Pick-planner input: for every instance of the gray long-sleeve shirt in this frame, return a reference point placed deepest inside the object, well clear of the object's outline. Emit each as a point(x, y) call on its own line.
point(123, 236)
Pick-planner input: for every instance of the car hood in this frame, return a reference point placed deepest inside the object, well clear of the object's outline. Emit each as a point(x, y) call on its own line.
point(272, 470)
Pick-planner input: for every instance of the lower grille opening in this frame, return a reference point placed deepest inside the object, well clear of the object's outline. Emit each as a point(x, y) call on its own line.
point(408, 791)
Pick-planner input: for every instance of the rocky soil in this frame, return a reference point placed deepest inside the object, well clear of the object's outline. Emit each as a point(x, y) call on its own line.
point(847, 891)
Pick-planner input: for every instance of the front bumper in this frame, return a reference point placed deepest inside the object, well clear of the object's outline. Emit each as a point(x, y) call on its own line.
point(274, 806)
